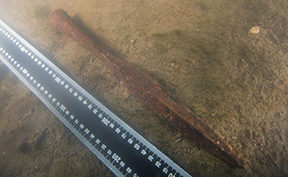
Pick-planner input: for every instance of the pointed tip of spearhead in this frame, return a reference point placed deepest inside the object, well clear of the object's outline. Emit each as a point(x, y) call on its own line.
point(241, 163)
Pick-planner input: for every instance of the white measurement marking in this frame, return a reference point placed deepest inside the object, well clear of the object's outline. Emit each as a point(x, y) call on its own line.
point(150, 158)
point(158, 164)
point(92, 136)
point(63, 108)
point(143, 152)
point(129, 170)
point(97, 141)
point(117, 130)
point(103, 146)
point(122, 164)
point(130, 141)
point(95, 111)
point(57, 79)
point(105, 121)
point(112, 125)
point(137, 146)
point(116, 157)
point(124, 135)
point(25, 71)
point(109, 152)
point(87, 131)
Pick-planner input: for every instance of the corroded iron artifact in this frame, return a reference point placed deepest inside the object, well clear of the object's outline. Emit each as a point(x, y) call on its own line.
point(149, 92)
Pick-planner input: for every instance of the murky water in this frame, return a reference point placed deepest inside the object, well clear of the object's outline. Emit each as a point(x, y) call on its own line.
point(202, 54)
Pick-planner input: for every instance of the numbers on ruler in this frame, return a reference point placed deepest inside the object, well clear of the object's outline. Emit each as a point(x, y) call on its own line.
point(143, 152)
point(137, 146)
point(116, 158)
point(112, 125)
point(97, 141)
point(130, 140)
point(117, 130)
point(165, 170)
point(157, 164)
point(150, 158)
point(92, 136)
point(105, 121)
point(128, 170)
point(122, 164)
point(124, 135)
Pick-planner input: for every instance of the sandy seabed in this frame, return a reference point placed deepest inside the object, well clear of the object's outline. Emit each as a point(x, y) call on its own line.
point(201, 53)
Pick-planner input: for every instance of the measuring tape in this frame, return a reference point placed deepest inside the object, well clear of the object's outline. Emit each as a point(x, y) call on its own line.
point(117, 145)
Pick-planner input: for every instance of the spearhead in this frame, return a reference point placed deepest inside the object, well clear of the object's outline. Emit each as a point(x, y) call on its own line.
point(150, 93)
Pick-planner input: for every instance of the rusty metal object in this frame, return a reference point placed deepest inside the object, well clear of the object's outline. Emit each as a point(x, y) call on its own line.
point(149, 92)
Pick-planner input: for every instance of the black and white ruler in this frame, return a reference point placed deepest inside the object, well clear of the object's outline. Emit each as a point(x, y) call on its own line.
point(116, 144)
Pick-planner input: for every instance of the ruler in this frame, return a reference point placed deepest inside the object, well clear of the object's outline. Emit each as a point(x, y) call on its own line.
point(124, 151)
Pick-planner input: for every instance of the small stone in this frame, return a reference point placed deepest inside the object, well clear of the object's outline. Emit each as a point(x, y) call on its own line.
point(254, 30)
